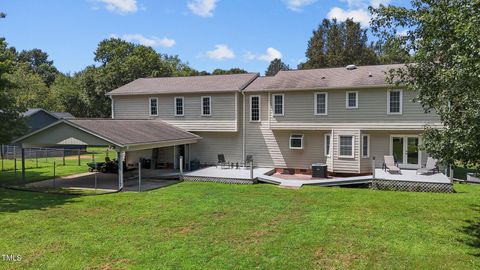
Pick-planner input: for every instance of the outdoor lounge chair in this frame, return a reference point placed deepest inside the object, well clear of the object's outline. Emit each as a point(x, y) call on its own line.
point(429, 168)
point(221, 161)
point(248, 160)
point(390, 165)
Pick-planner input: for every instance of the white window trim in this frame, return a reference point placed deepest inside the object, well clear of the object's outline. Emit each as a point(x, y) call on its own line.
point(150, 106)
point(368, 146)
point(283, 104)
point(347, 99)
point(327, 147)
point(315, 103)
point(401, 102)
point(201, 106)
point(290, 142)
point(175, 106)
point(353, 146)
point(259, 108)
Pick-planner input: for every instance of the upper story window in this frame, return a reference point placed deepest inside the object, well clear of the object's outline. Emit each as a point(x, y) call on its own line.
point(321, 103)
point(278, 104)
point(351, 100)
point(365, 146)
point(178, 110)
point(206, 106)
point(327, 144)
point(394, 101)
point(346, 146)
point(296, 141)
point(255, 108)
point(153, 106)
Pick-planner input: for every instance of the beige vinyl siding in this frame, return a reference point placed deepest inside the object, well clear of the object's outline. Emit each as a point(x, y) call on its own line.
point(343, 164)
point(223, 117)
point(271, 148)
point(372, 107)
point(213, 143)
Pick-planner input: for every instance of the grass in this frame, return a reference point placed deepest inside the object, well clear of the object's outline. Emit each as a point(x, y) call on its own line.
point(43, 169)
point(218, 226)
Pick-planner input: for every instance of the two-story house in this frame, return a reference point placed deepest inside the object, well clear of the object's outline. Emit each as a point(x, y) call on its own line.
point(341, 116)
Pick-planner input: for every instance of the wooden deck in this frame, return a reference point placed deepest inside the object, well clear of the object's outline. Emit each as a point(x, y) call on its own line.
point(233, 176)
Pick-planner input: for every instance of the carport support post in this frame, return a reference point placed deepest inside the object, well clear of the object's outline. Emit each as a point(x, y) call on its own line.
point(120, 169)
point(23, 164)
point(181, 167)
point(139, 176)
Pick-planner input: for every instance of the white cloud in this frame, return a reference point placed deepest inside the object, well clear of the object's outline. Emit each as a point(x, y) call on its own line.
point(298, 5)
point(152, 41)
point(120, 6)
point(268, 56)
point(221, 52)
point(357, 10)
point(202, 8)
point(358, 15)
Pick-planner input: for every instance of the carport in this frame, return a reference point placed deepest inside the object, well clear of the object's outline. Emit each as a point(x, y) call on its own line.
point(121, 135)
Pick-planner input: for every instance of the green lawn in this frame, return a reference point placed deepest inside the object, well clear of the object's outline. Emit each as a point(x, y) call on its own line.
point(42, 168)
point(218, 226)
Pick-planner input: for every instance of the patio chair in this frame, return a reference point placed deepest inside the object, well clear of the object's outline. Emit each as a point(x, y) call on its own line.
point(430, 167)
point(390, 165)
point(221, 161)
point(248, 160)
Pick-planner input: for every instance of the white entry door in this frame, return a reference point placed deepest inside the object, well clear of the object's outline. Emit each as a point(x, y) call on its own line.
point(405, 150)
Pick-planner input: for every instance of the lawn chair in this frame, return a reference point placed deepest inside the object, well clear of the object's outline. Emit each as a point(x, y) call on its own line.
point(430, 168)
point(390, 165)
point(221, 161)
point(248, 160)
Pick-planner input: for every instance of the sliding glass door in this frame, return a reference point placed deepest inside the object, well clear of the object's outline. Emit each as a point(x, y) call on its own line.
point(405, 150)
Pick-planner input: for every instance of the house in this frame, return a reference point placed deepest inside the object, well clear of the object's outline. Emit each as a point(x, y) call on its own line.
point(38, 118)
point(339, 116)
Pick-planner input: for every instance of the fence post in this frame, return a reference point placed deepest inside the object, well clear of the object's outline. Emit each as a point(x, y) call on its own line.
point(15, 167)
point(139, 176)
point(54, 163)
point(23, 164)
point(78, 157)
point(251, 169)
point(46, 155)
point(36, 158)
point(63, 156)
point(1, 156)
point(93, 156)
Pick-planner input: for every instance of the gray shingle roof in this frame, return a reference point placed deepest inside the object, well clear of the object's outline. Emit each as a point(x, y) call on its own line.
point(63, 115)
point(324, 78)
point(128, 132)
point(169, 85)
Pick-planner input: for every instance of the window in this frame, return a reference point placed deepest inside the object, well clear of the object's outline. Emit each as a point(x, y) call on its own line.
point(255, 108)
point(327, 144)
point(346, 146)
point(206, 106)
point(153, 106)
point(352, 100)
point(296, 141)
point(394, 102)
point(321, 103)
point(278, 105)
point(365, 146)
point(178, 106)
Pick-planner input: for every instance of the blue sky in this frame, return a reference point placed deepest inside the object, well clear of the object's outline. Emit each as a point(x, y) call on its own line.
point(207, 34)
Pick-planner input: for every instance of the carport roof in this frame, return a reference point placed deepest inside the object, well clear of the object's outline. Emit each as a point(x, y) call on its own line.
point(125, 132)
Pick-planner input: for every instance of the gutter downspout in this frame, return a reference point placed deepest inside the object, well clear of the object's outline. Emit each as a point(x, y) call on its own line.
point(243, 127)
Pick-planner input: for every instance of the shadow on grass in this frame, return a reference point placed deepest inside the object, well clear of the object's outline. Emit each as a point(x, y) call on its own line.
point(15, 201)
point(472, 231)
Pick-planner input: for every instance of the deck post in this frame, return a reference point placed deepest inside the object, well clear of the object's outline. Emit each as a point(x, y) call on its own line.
point(120, 169)
point(373, 167)
point(251, 169)
point(23, 164)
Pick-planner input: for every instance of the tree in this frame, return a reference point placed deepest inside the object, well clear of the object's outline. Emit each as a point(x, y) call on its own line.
point(219, 71)
point(39, 63)
point(443, 36)
point(391, 51)
point(69, 97)
point(336, 44)
point(11, 122)
point(275, 66)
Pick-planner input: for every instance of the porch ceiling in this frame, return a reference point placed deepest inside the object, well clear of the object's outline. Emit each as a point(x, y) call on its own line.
point(125, 134)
